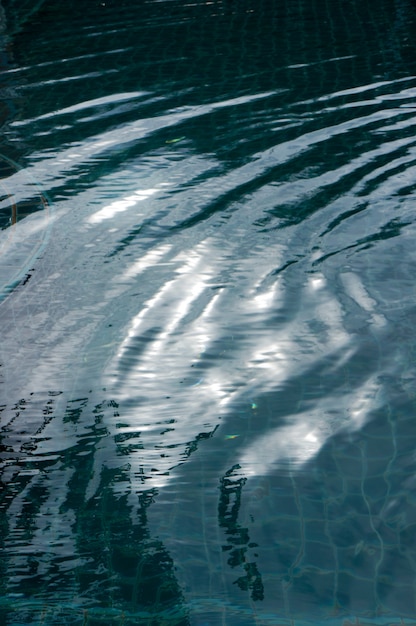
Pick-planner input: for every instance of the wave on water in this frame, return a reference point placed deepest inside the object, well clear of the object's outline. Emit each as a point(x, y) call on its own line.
point(207, 349)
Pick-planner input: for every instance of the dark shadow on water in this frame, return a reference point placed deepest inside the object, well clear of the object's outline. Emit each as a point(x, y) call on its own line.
point(101, 566)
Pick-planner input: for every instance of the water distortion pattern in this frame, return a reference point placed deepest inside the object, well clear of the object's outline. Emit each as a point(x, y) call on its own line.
point(207, 373)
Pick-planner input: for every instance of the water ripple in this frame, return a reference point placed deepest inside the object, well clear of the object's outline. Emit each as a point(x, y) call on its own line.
point(207, 313)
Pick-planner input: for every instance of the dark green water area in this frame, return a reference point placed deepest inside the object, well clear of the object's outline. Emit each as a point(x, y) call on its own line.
point(207, 312)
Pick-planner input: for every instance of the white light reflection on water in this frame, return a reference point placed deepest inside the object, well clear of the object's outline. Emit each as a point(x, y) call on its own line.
point(231, 337)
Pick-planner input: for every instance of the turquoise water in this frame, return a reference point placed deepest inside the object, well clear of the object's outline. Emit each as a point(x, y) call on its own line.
point(207, 312)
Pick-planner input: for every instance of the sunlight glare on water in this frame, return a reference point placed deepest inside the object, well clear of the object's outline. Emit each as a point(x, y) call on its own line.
point(207, 312)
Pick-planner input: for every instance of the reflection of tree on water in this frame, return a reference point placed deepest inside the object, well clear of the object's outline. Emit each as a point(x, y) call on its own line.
point(237, 536)
point(122, 563)
point(91, 552)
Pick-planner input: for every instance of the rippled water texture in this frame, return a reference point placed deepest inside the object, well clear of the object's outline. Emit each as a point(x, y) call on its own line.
point(207, 348)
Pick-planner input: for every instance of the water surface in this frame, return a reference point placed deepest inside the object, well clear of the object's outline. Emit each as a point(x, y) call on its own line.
point(207, 356)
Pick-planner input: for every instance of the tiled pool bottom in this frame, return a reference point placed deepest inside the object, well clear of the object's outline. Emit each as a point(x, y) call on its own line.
point(206, 614)
point(207, 346)
point(329, 542)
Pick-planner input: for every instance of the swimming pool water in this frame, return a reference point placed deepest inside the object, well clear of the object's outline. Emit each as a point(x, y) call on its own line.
point(207, 312)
